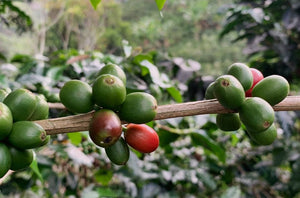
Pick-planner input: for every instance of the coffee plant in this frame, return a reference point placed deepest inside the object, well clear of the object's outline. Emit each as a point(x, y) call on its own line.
point(188, 156)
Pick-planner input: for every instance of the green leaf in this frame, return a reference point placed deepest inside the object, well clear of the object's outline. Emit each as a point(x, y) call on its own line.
point(232, 22)
point(110, 192)
point(160, 4)
point(24, 21)
point(22, 58)
point(155, 75)
point(175, 93)
point(34, 167)
point(280, 155)
point(75, 138)
point(106, 192)
point(55, 73)
point(257, 14)
point(207, 180)
point(139, 58)
point(89, 192)
point(234, 139)
point(232, 192)
point(201, 138)
point(127, 48)
point(103, 176)
point(165, 137)
point(4, 81)
point(2, 57)
point(95, 3)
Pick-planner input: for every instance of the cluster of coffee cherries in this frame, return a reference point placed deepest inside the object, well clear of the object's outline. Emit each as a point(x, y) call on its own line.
point(18, 133)
point(116, 112)
point(250, 96)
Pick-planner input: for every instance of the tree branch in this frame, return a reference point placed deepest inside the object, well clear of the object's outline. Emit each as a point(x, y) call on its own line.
point(81, 122)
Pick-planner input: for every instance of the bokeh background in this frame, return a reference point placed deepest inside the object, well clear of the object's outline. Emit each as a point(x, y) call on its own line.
point(173, 53)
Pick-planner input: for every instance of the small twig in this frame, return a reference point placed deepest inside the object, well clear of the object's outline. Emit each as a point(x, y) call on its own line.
point(81, 122)
point(56, 106)
point(176, 130)
point(78, 58)
point(5, 176)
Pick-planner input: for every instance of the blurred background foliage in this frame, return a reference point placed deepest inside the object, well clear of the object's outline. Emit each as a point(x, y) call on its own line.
point(272, 32)
point(173, 54)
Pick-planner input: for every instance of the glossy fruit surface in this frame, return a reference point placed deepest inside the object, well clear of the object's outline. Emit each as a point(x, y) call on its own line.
point(20, 159)
point(5, 159)
point(228, 121)
point(142, 138)
point(27, 135)
point(76, 96)
point(6, 121)
point(273, 89)
point(109, 91)
point(229, 92)
point(105, 128)
point(243, 73)
point(209, 93)
point(21, 103)
point(113, 69)
point(257, 76)
point(118, 153)
point(138, 107)
point(265, 137)
point(41, 110)
point(256, 114)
